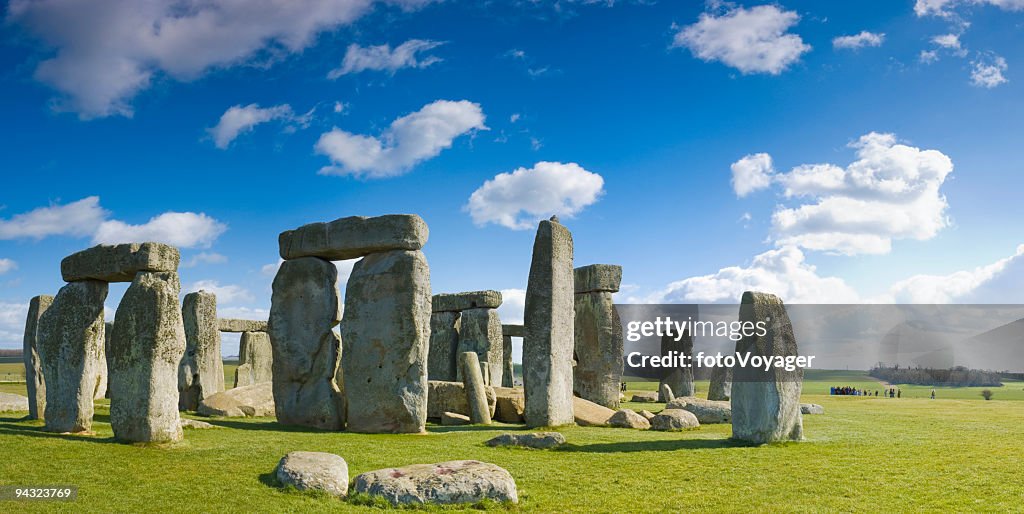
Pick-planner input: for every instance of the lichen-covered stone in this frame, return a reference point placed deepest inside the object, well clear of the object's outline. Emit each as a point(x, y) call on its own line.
point(665, 393)
point(549, 320)
point(304, 308)
point(386, 333)
point(480, 333)
point(597, 278)
point(707, 412)
point(535, 440)
point(445, 396)
point(473, 381)
point(510, 404)
point(628, 418)
point(255, 359)
point(119, 263)
point(34, 380)
point(256, 400)
point(645, 397)
point(720, 388)
point(513, 330)
point(445, 483)
point(146, 347)
point(456, 302)
point(354, 237)
point(314, 471)
point(679, 379)
point(444, 343)
point(70, 334)
point(670, 420)
point(241, 325)
point(811, 408)
point(201, 372)
point(598, 348)
point(10, 402)
point(508, 369)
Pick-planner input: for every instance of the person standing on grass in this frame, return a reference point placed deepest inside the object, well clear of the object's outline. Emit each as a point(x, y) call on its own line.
point(933, 394)
point(899, 393)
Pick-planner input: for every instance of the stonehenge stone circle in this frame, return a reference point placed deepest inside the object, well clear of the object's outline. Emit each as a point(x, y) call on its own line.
point(386, 333)
point(480, 332)
point(549, 341)
point(201, 372)
point(720, 388)
point(304, 309)
point(241, 325)
point(145, 351)
point(766, 403)
point(680, 380)
point(476, 397)
point(508, 372)
point(255, 359)
point(70, 334)
point(34, 379)
point(119, 263)
point(353, 237)
point(598, 335)
point(462, 322)
point(442, 363)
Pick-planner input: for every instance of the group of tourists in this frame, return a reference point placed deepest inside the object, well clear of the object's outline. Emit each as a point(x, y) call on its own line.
point(892, 392)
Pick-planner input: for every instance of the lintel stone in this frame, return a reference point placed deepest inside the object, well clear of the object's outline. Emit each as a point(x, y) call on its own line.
point(513, 330)
point(241, 325)
point(119, 263)
point(354, 237)
point(597, 277)
point(456, 302)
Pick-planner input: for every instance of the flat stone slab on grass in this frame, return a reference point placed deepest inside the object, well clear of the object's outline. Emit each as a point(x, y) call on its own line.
point(588, 413)
point(196, 424)
point(354, 237)
point(671, 420)
point(314, 471)
point(645, 397)
point(536, 440)
point(119, 263)
point(241, 325)
point(455, 302)
point(10, 402)
point(811, 408)
point(445, 483)
point(707, 411)
point(628, 418)
point(250, 401)
point(510, 405)
point(453, 419)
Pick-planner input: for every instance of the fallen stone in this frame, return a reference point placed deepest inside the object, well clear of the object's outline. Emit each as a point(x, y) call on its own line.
point(119, 263)
point(70, 334)
point(201, 372)
point(386, 333)
point(354, 237)
point(256, 359)
point(536, 440)
point(457, 302)
point(241, 325)
point(250, 401)
point(665, 393)
point(588, 413)
point(453, 419)
point(598, 343)
point(647, 414)
point(707, 411)
point(549, 320)
point(304, 308)
point(445, 483)
point(766, 403)
point(196, 424)
point(597, 278)
point(811, 408)
point(513, 330)
point(34, 380)
point(721, 384)
point(645, 397)
point(314, 471)
point(674, 419)
point(510, 405)
point(10, 402)
point(678, 378)
point(442, 363)
point(627, 418)
point(445, 396)
point(145, 350)
point(480, 333)
point(473, 381)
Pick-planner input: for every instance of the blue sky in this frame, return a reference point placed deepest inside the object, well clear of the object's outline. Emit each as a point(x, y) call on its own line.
point(670, 137)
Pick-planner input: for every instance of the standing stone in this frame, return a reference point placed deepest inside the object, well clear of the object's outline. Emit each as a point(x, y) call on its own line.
point(255, 359)
point(100, 392)
point(386, 332)
point(548, 345)
point(444, 344)
point(304, 308)
point(679, 379)
point(480, 332)
point(476, 397)
point(34, 380)
point(201, 373)
point(721, 384)
point(70, 333)
point(665, 393)
point(508, 374)
point(145, 351)
point(598, 334)
point(108, 331)
point(766, 403)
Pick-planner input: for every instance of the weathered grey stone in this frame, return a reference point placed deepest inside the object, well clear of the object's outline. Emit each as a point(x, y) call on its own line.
point(69, 337)
point(549, 341)
point(108, 331)
point(473, 380)
point(597, 277)
point(509, 405)
point(100, 392)
point(241, 325)
point(453, 482)
point(119, 263)
point(513, 330)
point(201, 372)
point(678, 378)
point(508, 370)
point(598, 348)
point(587, 413)
point(536, 440)
point(386, 332)
point(256, 400)
point(304, 308)
point(442, 363)
point(34, 379)
point(628, 418)
point(811, 408)
point(766, 403)
point(480, 332)
point(707, 411)
point(354, 237)
point(456, 302)
point(445, 396)
point(145, 351)
point(647, 414)
point(453, 419)
point(721, 384)
point(196, 424)
point(314, 471)
point(255, 358)
point(665, 393)
point(10, 402)
point(645, 397)
point(674, 419)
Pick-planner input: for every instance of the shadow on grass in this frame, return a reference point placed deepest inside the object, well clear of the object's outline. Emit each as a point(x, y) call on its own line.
point(272, 426)
point(441, 429)
point(37, 431)
point(654, 446)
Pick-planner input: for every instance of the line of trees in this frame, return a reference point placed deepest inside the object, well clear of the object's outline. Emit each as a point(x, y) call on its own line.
point(957, 376)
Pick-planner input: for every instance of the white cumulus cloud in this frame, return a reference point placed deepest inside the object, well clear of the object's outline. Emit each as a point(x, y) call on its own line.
point(519, 199)
point(80, 218)
point(384, 58)
point(751, 173)
point(226, 293)
point(754, 40)
point(182, 229)
point(861, 40)
point(409, 140)
point(513, 305)
point(240, 119)
point(948, 288)
point(7, 265)
point(944, 8)
point(987, 72)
